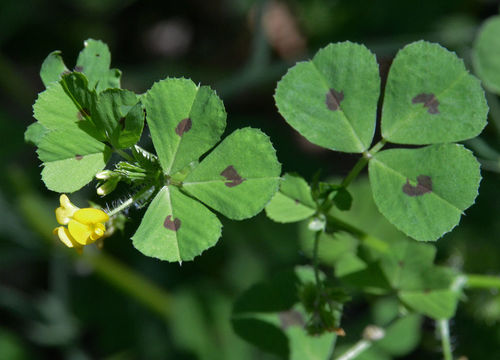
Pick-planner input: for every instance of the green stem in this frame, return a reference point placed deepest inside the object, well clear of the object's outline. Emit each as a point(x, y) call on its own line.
point(129, 202)
point(355, 350)
point(490, 165)
point(474, 281)
point(362, 162)
point(124, 155)
point(483, 149)
point(367, 239)
point(360, 165)
point(315, 258)
point(444, 330)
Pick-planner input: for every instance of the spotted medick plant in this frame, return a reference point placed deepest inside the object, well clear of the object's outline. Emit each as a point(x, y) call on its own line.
point(83, 117)
point(421, 185)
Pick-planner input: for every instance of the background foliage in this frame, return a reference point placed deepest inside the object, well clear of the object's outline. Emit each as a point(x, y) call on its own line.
point(118, 304)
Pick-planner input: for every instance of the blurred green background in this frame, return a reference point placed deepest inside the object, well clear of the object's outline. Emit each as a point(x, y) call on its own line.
point(118, 304)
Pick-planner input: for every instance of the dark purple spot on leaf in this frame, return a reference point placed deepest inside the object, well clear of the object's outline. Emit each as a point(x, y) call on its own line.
point(78, 68)
point(78, 157)
point(297, 202)
point(429, 100)
point(183, 126)
point(427, 291)
point(401, 263)
point(65, 72)
point(172, 225)
point(232, 175)
point(291, 318)
point(333, 99)
point(424, 185)
point(122, 123)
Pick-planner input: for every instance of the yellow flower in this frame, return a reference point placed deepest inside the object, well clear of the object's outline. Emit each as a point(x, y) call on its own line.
point(85, 226)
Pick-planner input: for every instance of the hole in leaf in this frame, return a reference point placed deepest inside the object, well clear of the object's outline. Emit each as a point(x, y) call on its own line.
point(232, 175)
point(183, 126)
point(333, 99)
point(429, 100)
point(172, 225)
point(424, 185)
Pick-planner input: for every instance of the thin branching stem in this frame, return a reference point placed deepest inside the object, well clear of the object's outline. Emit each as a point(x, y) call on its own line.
point(444, 330)
point(317, 236)
point(355, 350)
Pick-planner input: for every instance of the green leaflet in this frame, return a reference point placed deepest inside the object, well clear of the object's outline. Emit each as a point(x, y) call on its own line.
point(55, 110)
point(185, 121)
point(118, 113)
point(34, 133)
point(52, 68)
point(430, 98)
point(176, 227)
point(239, 177)
point(270, 316)
point(486, 55)
point(94, 61)
point(71, 159)
point(293, 202)
point(423, 192)
point(75, 86)
point(332, 99)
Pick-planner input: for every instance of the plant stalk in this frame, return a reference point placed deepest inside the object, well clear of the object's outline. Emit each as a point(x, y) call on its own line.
point(362, 162)
point(444, 330)
point(475, 281)
point(355, 350)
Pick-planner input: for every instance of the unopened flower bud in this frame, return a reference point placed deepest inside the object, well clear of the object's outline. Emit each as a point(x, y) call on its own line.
point(108, 186)
point(104, 175)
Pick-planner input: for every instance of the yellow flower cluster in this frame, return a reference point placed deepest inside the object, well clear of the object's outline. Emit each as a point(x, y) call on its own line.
point(85, 226)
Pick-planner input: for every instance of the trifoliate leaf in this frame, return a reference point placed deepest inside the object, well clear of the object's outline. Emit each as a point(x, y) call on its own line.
point(116, 113)
point(239, 177)
point(176, 227)
point(430, 97)
point(332, 99)
point(424, 192)
point(71, 159)
point(52, 68)
point(185, 121)
point(293, 202)
point(486, 55)
point(94, 61)
point(34, 133)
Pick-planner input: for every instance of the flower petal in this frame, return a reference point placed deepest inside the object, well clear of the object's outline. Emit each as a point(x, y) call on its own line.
point(80, 232)
point(90, 216)
point(65, 211)
point(64, 236)
point(99, 230)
